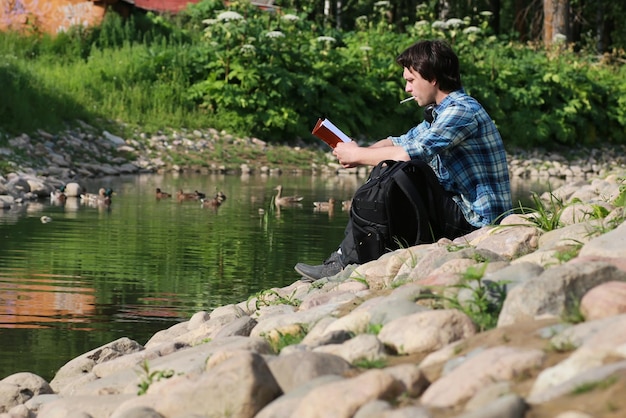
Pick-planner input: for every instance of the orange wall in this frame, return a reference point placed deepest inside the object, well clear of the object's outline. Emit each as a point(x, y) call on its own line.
point(50, 16)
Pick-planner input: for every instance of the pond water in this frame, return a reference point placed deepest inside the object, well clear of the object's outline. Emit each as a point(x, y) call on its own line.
point(95, 274)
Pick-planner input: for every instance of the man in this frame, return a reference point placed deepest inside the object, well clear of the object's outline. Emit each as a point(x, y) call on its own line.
point(466, 172)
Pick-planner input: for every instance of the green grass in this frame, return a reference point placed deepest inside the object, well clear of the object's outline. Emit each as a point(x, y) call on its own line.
point(286, 339)
point(149, 377)
point(485, 303)
point(370, 364)
point(596, 385)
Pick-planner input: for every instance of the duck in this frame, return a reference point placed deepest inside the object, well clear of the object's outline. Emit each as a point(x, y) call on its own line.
point(285, 200)
point(346, 205)
point(45, 219)
point(107, 196)
point(324, 206)
point(103, 197)
point(58, 195)
point(182, 196)
point(92, 196)
point(200, 195)
point(215, 202)
point(160, 194)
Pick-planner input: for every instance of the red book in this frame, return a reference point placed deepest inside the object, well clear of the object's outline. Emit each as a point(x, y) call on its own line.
point(329, 133)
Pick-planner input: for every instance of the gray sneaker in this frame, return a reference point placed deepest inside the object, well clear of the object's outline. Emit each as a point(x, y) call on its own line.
point(331, 266)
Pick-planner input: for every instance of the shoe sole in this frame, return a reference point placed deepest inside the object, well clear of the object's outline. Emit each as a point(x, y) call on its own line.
point(305, 277)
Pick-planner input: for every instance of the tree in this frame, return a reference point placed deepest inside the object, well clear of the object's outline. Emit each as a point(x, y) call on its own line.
point(556, 21)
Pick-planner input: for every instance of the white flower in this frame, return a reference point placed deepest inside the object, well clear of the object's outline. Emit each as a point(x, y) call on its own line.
point(365, 48)
point(229, 15)
point(422, 23)
point(486, 13)
point(471, 29)
point(291, 17)
point(326, 39)
point(560, 38)
point(381, 4)
point(275, 34)
point(438, 24)
point(454, 23)
point(248, 49)
point(209, 21)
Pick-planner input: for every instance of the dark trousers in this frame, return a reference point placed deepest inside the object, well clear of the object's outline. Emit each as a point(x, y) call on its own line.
point(443, 214)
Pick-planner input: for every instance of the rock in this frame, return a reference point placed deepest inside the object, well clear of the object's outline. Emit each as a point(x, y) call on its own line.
point(556, 291)
point(426, 331)
point(240, 386)
point(294, 370)
point(491, 365)
point(607, 299)
point(85, 363)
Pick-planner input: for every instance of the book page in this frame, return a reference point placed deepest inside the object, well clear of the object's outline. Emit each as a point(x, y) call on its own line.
point(336, 131)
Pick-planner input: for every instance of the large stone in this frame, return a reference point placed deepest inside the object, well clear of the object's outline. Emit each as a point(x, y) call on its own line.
point(293, 370)
point(488, 366)
point(604, 300)
point(84, 364)
point(343, 398)
point(556, 291)
point(239, 386)
point(426, 331)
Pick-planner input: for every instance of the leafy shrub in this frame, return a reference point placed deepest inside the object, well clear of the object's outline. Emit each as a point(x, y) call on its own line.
point(272, 75)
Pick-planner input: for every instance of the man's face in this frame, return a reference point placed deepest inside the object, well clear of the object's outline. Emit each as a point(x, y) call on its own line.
point(424, 91)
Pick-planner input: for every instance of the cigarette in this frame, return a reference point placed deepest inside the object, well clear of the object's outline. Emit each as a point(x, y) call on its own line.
point(407, 99)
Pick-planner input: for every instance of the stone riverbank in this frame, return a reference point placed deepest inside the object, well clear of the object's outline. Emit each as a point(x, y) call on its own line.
point(508, 321)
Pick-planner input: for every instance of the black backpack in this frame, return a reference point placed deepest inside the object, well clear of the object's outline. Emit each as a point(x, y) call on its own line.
point(389, 210)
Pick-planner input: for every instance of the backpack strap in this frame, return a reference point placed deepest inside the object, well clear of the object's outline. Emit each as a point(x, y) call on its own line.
point(408, 188)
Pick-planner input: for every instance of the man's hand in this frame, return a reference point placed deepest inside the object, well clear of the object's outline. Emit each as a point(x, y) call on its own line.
point(349, 154)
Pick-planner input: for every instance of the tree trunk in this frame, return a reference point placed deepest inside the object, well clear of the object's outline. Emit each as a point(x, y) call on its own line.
point(326, 10)
point(339, 6)
point(444, 9)
point(495, 9)
point(556, 21)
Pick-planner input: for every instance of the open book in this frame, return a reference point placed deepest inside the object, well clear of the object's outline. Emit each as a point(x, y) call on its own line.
point(329, 133)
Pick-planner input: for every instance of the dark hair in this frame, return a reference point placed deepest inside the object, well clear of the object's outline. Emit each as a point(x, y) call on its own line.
point(433, 60)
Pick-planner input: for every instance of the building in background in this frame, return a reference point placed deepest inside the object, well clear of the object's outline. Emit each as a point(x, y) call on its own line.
point(53, 16)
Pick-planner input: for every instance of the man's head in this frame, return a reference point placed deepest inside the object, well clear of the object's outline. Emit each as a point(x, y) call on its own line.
point(429, 67)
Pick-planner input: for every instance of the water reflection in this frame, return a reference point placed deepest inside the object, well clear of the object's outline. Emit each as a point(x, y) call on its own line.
point(140, 264)
point(524, 188)
point(37, 300)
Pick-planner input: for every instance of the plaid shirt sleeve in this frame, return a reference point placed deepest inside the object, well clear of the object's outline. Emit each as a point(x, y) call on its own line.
point(466, 152)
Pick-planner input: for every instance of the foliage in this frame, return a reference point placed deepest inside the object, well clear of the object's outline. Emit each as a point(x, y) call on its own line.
point(572, 313)
point(374, 328)
point(279, 340)
point(270, 297)
point(568, 253)
point(365, 363)
point(149, 377)
point(271, 75)
point(546, 216)
point(589, 386)
point(485, 301)
point(620, 200)
point(562, 346)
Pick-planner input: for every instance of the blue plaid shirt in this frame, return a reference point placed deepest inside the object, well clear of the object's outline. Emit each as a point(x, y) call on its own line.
point(465, 150)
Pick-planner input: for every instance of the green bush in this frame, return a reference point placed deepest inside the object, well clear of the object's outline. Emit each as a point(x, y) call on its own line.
point(271, 75)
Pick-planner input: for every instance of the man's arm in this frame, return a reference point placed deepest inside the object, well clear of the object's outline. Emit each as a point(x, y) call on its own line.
point(382, 143)
point(350, 154)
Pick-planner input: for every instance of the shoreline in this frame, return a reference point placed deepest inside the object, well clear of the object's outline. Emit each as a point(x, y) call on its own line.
point(399, 336)
point(88, 153)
